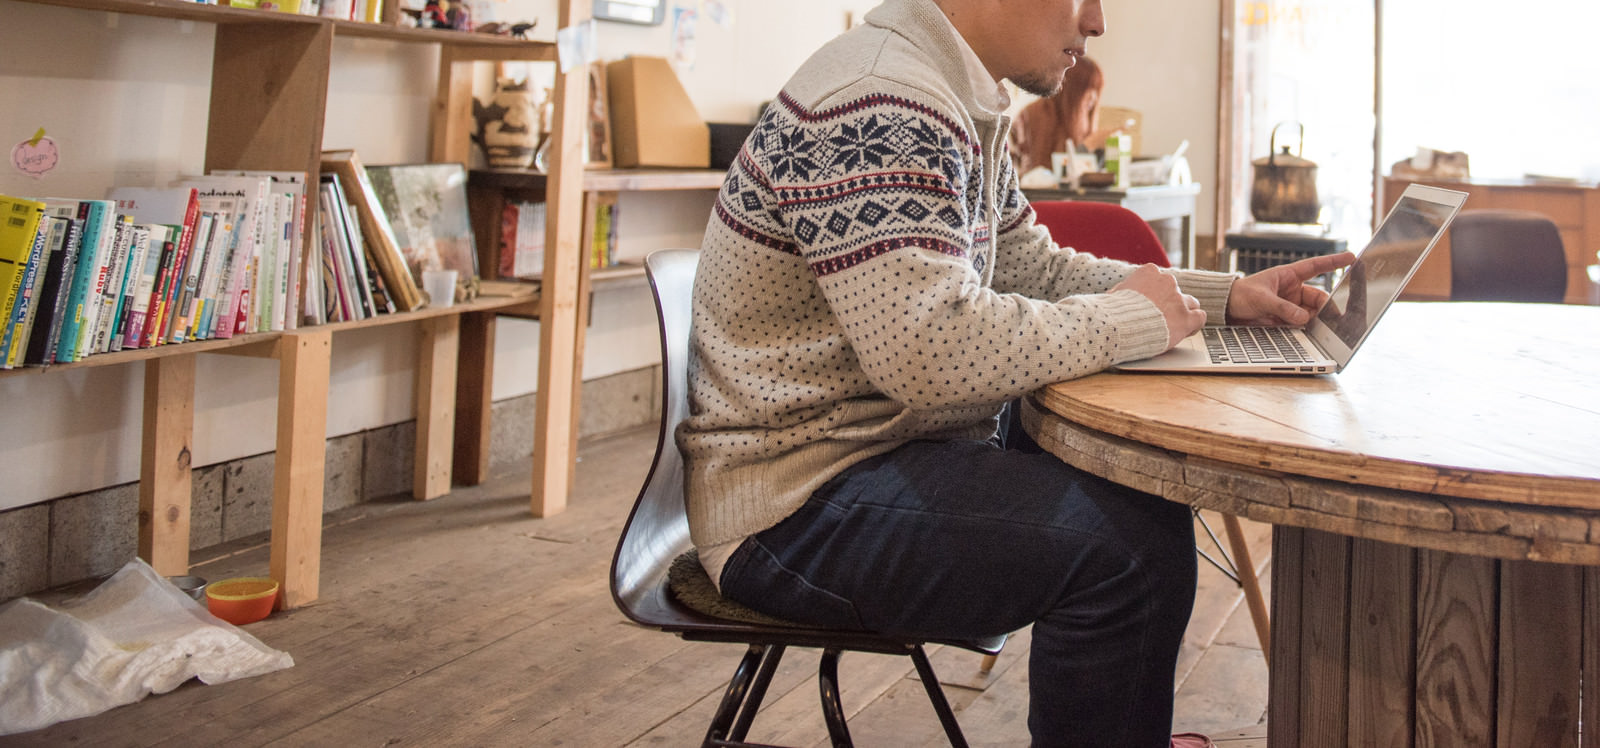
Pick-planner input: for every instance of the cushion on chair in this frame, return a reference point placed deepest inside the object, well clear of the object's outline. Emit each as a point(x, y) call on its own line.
point(692, 586)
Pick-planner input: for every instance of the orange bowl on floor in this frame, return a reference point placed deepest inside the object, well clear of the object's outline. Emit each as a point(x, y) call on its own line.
point(242, 600)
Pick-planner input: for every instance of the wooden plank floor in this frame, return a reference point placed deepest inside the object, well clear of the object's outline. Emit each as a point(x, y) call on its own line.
point(465, 621)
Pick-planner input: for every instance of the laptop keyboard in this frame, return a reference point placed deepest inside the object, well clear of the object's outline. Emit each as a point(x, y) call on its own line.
point(1253, 345)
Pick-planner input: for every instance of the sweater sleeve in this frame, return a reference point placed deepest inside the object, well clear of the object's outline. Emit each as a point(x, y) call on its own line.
point(884, 198)
point(1028, 261)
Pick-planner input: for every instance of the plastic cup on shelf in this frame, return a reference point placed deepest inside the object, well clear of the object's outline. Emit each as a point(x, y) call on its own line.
point(440, 286)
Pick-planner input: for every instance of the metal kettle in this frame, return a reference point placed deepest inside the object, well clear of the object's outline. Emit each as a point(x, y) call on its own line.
point(1285, 188)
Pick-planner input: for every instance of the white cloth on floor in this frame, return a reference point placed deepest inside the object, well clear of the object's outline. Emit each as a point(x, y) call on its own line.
point(133, 635)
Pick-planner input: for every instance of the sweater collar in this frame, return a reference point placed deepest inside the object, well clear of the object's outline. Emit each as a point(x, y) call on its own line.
point(927, 28)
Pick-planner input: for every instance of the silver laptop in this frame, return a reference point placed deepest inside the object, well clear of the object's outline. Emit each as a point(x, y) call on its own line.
point(1359, 298)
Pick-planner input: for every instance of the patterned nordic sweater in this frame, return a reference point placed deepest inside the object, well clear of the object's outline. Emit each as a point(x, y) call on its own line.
point(872, 275)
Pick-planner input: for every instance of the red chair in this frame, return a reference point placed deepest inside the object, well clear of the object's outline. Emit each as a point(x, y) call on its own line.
point(1112, 231)
point(1101, 229)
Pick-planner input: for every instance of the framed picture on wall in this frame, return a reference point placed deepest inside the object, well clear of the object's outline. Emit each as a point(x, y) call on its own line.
point(597, 132)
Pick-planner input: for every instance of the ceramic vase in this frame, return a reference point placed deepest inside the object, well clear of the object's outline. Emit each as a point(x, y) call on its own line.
point(508, 125)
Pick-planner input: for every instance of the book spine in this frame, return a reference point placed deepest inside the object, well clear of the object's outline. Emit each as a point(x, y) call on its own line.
point(259, 278)
point(266, 277)
point(55, 230)
point(239, 274)
point(297, 262)
point(132, 265)
point(115, 283)
point(17, 282)
point(52, 297)
point(149, 336)
point(340, 309)
point(221, 237)
point(19, 230)
point(241, 320)
point(281, 313)
point(69, 268)
point(138, 261)
point(28, 296)
point(162, 322)
point(93, 215)
point(98, 276)
point(214, 286)
point(189, 279)
point(357, 259)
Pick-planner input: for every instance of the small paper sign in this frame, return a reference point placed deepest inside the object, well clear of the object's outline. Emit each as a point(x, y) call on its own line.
point(36, 156)
point(575, 46)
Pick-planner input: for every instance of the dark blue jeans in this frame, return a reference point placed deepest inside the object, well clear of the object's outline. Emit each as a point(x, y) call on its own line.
point(964, 539)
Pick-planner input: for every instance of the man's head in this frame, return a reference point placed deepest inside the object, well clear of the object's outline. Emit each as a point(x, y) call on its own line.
point(1029, 42)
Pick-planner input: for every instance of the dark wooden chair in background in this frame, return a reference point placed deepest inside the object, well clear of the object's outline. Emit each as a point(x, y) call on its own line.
point(1506, 255)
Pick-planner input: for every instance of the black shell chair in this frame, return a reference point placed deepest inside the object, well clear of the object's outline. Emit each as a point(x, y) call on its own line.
point(654, 571)
point(1506, 255)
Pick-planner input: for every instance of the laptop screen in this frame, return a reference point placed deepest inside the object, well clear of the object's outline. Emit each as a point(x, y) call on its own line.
point(1374, 281)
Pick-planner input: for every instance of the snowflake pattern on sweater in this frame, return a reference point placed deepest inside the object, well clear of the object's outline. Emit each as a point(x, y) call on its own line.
point(877, 168)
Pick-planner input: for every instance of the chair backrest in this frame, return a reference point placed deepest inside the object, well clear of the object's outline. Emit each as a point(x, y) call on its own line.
point(1101, 229)
point(1506, 255)
point(657, 530)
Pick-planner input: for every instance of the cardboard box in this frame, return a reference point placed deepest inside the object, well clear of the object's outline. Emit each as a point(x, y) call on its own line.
point(653, 122)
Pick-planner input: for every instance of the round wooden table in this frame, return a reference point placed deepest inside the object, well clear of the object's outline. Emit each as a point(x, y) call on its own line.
point(1436, 512)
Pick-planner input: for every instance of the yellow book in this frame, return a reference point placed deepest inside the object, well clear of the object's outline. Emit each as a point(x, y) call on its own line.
point(19, 230)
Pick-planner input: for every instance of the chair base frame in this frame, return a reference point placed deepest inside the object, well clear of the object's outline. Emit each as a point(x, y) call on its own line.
point(742, 699)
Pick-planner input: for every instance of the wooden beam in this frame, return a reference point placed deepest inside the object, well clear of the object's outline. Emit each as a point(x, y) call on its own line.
point(437, 349)
point(554, 453)
point(298, 467)
point(164, 483)
point(474, 397)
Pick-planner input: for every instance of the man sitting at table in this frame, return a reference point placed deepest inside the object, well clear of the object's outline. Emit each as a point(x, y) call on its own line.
point(871, 292)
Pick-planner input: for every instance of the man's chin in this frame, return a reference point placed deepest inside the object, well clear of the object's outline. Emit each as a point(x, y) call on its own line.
point(1042, 84)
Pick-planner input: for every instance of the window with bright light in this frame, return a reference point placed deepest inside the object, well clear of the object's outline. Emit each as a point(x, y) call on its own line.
point(1515, 86)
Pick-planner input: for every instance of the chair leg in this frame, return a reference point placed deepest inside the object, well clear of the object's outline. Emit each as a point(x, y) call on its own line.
point(988, 663)
point(832, 705)
point(758, 692)
point(1251, 585)
point(941, 705)
point(722, 723)
point(1226, 565)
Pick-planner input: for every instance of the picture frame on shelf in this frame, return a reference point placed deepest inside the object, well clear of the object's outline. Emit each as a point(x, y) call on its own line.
point(427, 209)
point(597, 133)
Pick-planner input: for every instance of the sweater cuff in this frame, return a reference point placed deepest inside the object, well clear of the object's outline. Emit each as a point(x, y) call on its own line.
point(1211, 290)
point(1140, 330)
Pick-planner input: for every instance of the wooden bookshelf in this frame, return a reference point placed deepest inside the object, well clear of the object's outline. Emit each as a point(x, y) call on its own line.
point(269, 92)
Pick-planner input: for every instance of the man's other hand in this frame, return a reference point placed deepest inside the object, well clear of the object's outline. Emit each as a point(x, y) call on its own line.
point(1181, 311)
point(1279, 295)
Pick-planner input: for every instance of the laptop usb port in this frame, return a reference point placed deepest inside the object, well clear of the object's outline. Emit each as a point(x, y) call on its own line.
point(1306, 368)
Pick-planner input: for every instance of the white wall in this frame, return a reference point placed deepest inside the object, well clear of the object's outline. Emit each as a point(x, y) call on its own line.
point(1160, 57)
point(126, 99)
